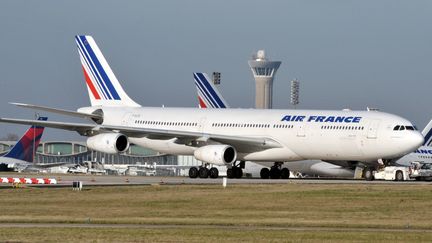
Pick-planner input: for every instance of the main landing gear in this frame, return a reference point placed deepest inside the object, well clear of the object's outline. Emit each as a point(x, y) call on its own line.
point(275, 172)
point(203, 172)
point(236, 171)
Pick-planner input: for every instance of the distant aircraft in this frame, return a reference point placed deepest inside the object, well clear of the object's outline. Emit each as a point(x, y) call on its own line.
point(20, 157)
point(224, 136)
point(208, 95)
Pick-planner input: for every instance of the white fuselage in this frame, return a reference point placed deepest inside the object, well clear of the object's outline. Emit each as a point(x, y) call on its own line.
point(423, 154)
point(303, 134)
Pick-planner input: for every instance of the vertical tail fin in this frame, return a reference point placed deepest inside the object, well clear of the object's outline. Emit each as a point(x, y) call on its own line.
point(28, 143)
point(208, 94)
point(427, 133)
point(103, 87)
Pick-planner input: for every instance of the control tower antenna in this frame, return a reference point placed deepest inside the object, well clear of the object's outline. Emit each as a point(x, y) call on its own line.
point(295, 92)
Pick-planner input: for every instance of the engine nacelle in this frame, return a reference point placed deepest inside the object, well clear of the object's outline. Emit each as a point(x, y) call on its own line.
point(216, 154)
point(111, 143)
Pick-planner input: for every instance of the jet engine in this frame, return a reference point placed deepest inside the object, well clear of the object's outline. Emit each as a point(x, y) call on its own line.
point(216, 154)
point(111, 143)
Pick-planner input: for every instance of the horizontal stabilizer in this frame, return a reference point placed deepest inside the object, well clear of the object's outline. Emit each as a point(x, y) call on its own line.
point(59, 111)
point(78, 127)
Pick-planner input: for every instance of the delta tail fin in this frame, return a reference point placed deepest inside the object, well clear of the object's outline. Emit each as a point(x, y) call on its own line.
point(24, 148)
point(208, 94)
point(103, 87)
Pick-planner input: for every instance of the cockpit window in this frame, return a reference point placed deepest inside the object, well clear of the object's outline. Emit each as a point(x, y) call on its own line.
point(402, 127)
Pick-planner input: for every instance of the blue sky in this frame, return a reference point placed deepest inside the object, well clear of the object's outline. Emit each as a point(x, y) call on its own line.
point(346, 54)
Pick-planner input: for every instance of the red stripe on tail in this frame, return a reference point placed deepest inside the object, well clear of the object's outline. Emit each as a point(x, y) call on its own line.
point(90, 85)
point(201, 103)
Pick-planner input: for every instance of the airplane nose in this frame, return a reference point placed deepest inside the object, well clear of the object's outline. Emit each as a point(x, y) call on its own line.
point(416, 139)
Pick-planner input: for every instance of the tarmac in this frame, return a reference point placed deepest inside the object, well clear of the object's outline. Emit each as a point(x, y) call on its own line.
point(65, 180)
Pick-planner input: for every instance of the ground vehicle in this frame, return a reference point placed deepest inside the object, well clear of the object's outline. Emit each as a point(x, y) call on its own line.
point(421, 171)
point(397, 173)
point(78, 169)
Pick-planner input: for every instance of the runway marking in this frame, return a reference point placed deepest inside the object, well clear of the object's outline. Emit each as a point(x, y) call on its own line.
point(228, 227)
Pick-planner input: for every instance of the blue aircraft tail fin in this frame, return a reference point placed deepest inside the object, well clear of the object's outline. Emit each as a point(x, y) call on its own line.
point(28, 143)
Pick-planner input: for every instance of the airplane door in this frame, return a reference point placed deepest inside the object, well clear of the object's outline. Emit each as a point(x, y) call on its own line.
point(126, 119)
point(202, 124)
point(373, 129)
point(301, 130)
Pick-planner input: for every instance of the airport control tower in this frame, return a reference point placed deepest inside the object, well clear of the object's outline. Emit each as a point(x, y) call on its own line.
point(264, 71)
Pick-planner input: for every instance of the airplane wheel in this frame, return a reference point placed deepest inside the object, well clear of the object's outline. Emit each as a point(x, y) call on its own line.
point(203, 172)
point(265, 173)
point(275, 173)
point(193, 172)
point(230, 173)
point(399, 176)
point(214, 173)
point(238, 172)
point(285, 173)
point(368, 174)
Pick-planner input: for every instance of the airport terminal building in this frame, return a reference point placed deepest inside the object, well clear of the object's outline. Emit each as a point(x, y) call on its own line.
point(77, 153)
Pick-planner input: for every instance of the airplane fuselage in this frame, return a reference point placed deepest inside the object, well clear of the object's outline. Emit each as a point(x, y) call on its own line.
point(303, 134)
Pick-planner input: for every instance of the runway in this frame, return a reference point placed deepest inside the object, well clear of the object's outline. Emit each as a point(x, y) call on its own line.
point(204, 227)
point(107, 180)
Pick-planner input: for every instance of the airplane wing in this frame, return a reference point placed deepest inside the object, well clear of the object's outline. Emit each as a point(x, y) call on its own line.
point(58, 111)
point(78, 127)
point(242, 143)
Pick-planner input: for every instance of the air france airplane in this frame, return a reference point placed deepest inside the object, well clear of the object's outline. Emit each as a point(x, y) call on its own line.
point(20, 157)
point(306, 167)
point(224, 136)
point(312, 167)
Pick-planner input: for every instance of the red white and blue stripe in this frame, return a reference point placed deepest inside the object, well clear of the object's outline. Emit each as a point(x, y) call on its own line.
point(208, 95)
point(25, 147)
point(96, 71)
point(427, 133)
